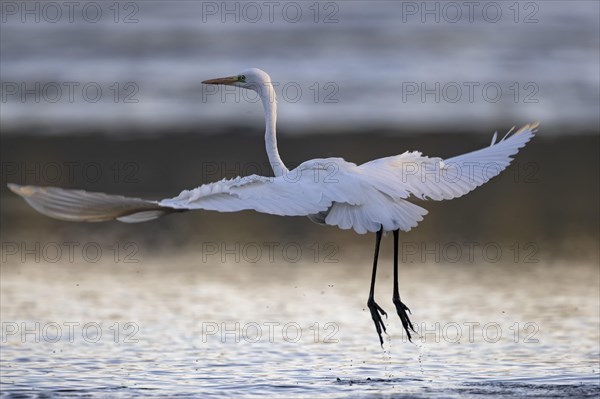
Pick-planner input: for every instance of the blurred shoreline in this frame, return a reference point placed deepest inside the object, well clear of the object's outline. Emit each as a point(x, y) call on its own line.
point(370, 64)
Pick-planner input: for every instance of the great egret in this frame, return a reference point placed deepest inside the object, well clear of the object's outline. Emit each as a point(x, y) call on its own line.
point(371, 197)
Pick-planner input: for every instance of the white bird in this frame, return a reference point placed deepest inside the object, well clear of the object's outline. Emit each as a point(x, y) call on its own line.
point(372, 197)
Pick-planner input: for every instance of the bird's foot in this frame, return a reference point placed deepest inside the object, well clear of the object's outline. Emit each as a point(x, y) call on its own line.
point(401, 308)
point(376, 313)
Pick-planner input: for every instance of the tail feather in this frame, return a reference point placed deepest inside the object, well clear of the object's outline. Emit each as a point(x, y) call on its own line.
point(84, 206)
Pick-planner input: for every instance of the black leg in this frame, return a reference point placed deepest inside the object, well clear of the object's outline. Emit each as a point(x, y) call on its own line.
point(400, 307)
point(375, 309)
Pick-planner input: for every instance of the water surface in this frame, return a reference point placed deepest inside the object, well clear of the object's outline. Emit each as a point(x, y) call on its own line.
point(179, 326)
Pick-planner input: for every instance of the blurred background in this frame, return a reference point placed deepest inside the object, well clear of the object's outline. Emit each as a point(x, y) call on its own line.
point(106, 96)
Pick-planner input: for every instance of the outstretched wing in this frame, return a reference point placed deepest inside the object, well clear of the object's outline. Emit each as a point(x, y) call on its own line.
point(433, 178)
point(274, 196)
point(84, 206)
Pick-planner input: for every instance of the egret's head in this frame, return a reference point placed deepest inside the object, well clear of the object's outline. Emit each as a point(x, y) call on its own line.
point(252, 78)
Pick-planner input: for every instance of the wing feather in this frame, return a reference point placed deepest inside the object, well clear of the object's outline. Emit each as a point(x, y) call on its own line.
point(411, 173)
point(272, 195)
point(84, 206)
point(263, 194)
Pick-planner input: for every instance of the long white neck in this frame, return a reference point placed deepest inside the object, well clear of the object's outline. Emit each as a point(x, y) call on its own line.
point(268, 98)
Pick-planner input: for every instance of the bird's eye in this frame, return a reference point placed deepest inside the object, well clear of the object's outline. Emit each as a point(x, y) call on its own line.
point(242, 78)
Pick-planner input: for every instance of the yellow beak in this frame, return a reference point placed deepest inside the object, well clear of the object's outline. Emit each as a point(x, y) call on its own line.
point(222, 81)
